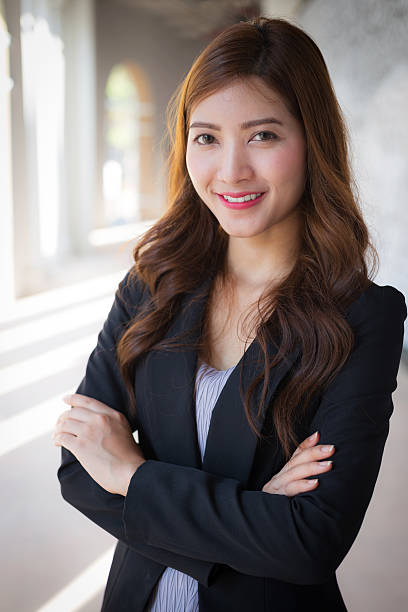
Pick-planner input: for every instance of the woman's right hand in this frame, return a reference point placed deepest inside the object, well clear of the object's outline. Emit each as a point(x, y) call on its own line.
point(292, 479)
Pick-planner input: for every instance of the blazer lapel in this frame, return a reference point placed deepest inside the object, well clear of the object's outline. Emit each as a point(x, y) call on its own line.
point(231, 443)
point(164, 387)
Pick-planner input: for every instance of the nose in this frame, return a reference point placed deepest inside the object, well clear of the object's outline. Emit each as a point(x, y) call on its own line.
point(234, 165)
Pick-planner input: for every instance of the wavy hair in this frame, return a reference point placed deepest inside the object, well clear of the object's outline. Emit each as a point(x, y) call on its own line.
point(186, 245)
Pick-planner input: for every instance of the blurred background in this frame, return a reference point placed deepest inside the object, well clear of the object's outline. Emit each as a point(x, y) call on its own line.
point(84, 85)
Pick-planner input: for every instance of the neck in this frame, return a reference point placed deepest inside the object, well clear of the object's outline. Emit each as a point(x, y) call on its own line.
point(265, 259)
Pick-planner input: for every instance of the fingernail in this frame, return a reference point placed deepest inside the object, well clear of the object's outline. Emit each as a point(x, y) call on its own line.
point(327, 449)
point(312, 482)
point(313, 436)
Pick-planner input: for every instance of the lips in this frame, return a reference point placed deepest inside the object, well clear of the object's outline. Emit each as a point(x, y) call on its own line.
point(240, 205)
point(239, 194)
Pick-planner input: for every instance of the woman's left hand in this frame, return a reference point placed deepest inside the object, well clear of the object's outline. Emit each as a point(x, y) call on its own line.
point(102, 441)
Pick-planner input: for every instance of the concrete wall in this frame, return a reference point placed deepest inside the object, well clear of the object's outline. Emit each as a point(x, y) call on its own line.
point(365, 45)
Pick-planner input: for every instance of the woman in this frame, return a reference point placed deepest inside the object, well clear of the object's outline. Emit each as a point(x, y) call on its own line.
point(248, 323)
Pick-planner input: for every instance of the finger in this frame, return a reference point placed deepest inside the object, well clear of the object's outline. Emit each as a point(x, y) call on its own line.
point(62, 416)
point(304, 470)
point(300, 486)
point(72, 426)
point(68, 441)
point(321, 451)
point(310, 454)
point(307, 443)
point(79, 413)
point(83, 401)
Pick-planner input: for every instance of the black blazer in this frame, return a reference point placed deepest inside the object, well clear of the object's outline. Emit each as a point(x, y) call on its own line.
point(248, 550)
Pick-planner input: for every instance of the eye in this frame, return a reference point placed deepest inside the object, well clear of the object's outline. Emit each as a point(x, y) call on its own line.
point(196, 139)
point(269, 136)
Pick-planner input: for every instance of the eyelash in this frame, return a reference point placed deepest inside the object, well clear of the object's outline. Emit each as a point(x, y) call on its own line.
point(275, 137)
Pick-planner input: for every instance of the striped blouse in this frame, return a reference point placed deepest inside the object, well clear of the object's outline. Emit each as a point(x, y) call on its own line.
point(176, 591)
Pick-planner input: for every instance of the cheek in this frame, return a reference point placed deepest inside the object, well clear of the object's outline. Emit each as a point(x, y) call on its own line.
point(199, 170)
point(289, 164)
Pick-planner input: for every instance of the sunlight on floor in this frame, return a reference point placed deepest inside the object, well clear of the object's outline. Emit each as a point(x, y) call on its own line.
point(32, 423)
point(67, 296)
point(46, 364)
point(83, 588)
point(51, 325)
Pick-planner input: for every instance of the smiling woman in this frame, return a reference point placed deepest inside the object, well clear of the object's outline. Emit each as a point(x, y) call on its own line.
point(271, 166)
point(248, 330)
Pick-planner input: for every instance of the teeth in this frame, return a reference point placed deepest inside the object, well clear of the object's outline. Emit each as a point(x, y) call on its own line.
point(246, 198)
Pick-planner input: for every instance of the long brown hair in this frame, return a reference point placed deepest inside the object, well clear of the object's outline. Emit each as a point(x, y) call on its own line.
point(186, 245)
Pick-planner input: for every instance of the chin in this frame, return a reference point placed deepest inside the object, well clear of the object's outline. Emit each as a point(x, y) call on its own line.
point(242, 232)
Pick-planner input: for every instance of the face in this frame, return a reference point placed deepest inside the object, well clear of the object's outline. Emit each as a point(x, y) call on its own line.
point(246, 157)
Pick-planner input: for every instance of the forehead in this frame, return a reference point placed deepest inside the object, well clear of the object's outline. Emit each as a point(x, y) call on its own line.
point(242, 97)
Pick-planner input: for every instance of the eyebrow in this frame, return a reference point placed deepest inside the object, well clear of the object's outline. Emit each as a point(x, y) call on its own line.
point(244, 126)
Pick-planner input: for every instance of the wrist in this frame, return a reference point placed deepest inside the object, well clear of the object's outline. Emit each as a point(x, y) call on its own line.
point(132, 469)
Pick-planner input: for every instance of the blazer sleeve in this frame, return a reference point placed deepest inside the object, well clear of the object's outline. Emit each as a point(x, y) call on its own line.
point(103, 381)
point(300, 539)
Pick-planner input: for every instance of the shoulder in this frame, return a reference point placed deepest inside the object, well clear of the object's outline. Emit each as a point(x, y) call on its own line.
point(378, 303)
point(377, 319)
point(132, 291)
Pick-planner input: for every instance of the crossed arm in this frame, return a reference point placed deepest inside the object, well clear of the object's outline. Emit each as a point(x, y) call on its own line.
point(192, 520)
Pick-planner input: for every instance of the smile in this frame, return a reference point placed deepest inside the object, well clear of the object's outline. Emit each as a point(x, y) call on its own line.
point(243, 201)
